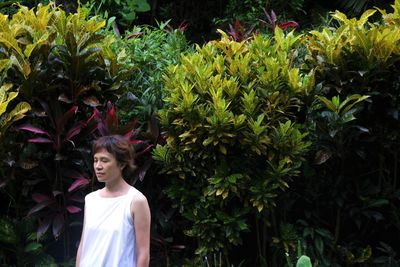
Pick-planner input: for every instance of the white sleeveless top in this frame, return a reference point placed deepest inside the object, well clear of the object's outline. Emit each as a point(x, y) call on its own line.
point(109, 233)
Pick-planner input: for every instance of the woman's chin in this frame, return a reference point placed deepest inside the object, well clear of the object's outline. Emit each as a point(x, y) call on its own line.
point(100, 179)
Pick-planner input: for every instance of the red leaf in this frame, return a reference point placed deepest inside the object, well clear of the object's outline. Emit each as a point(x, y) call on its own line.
point(96, 115)
point(182, 26)
point(73, 209)
point(78, 183)
point(136, 141)
point(287, 24)
point(112, 119)
point(101, 126)
point(128, 135)
point(38, 198)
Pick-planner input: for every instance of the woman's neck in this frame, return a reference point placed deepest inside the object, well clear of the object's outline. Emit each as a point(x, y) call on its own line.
point(117, 188)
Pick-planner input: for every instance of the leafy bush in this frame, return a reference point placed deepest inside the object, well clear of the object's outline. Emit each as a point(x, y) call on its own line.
point(250, 12)
point(233, 142)
point(149, 51)
point(354, 129)
point(124, 11)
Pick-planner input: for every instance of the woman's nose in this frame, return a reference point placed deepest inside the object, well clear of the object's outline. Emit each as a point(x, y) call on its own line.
point(97, 165)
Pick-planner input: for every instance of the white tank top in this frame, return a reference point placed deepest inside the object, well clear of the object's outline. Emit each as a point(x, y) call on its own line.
point(109, 233)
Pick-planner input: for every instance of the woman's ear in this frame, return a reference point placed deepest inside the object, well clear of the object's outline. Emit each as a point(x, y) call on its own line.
point(122, 166)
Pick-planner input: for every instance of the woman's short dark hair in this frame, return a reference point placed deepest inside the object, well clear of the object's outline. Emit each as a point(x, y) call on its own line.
point(120, 148)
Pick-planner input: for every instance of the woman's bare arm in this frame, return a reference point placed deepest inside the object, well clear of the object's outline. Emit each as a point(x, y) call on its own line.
point(141, 218)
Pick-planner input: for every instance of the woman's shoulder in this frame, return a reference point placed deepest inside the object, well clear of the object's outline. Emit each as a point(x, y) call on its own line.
point(137, 195)
point(137, 198)
point(139, 204)
point(92, 195)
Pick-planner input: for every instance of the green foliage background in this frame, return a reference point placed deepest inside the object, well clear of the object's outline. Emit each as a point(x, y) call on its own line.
point(276, 146)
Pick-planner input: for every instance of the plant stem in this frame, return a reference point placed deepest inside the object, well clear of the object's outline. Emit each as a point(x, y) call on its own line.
point(395, 169)
point(338, 222)
point(258, 237)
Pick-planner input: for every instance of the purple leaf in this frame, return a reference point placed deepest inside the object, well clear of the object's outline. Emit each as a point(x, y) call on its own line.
point(73, 174)
point(76, 198)
point(148, 148)
point(73, 209)
point(58, 224)
point(273, 16)
point(40, 140)
point(38, 198)
point(56, 193)
point(74, 131)
point(40, 206)
point(102, 129)
point(143, 170)
point(78, 183)
point(43, 226)
point(47, 111)
point(68, 115)
point(33, 129)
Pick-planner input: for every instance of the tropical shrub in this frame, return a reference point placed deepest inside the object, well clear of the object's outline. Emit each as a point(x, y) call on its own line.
point(149, 51)
point(62, 65)
point(354, 129)
point(233, 139)
point(123, 11)
point(250, 13)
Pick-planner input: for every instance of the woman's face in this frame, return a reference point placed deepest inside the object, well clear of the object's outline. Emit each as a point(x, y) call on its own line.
point(106, 166)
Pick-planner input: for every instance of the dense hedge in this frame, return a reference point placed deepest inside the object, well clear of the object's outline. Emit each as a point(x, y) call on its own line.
point(346, 195)
point(232, 136)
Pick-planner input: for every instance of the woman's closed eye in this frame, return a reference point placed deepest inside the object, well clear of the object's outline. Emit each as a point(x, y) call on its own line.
point(102, 160)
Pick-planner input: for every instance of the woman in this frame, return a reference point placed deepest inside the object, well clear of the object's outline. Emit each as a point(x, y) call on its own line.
point(116, 226)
